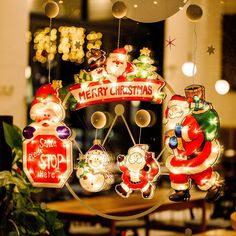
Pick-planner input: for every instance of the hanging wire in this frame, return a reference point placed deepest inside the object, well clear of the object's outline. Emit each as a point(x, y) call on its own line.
point(129, 131)
point(140, 134)
point(108, 132)
point(96, 134)
point(49, 52)
point(76, 144)
point(194, 52)
point(118, 37)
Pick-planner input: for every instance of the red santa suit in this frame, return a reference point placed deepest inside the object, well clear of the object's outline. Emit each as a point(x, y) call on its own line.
point(193, 156)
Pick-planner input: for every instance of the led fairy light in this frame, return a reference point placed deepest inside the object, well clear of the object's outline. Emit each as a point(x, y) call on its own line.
point(71, 43)
point(192, 127)
point(47, 149)
point(95, 168)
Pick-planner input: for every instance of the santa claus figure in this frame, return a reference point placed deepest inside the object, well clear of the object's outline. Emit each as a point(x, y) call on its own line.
point(47, 113)
point(191, 138)
point(95, 171)
point(139, 171)
point(117, 65)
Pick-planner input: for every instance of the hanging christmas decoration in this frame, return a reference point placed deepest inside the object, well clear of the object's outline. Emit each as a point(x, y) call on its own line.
point(47, 149)
point(139, 172)
point(115, 78)
point(95, 169)
point(192, 127)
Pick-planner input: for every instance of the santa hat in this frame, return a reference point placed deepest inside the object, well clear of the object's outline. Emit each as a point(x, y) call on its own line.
point(97, 58)
point(46, 98)
point(119, 53)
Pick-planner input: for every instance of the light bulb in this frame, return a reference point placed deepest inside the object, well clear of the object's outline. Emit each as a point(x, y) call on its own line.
point(222, 86)
point(189, 69)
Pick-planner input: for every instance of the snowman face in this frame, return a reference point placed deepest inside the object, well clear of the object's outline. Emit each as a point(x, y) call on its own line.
point(97, 161)
point(98, 73)
point(115, 67)
point(135, 161)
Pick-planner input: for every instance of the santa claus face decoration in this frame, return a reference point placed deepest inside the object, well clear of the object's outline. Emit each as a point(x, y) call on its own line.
point(135, 161)
point(116, 63)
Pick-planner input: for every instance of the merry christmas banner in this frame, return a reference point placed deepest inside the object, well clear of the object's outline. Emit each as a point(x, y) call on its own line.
point(138, 89)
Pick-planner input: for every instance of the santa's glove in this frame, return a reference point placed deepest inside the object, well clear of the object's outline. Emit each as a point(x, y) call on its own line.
point(120, 158)
point(28, 132)
point(146, 168)
point(173, 142)
point(63, 132)
point(178, 130)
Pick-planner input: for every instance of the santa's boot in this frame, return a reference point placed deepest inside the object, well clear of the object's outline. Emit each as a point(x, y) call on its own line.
point(180, 196)
point(121, 191)
point(148, 192)
point(215, 192)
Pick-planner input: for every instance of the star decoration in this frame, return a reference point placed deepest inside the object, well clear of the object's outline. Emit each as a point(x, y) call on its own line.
point(145, 51)
point(210, 50)
point(170, 42)
point(77, 44)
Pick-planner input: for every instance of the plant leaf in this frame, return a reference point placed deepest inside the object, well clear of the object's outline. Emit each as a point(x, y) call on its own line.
point(12, 136)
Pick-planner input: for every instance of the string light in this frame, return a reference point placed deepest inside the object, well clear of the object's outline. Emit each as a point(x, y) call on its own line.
point(71, 43)
point(44, 49)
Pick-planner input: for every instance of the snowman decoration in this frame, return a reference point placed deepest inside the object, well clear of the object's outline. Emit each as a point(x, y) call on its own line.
point(139, 170)
point(117, 65)
point(95, 169)
point(47, 113)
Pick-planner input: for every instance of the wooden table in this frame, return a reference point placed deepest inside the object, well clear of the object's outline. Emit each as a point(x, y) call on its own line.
point(118, 206)
point(217, 232)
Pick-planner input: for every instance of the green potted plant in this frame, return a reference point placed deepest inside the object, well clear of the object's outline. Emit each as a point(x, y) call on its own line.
point(19, 214)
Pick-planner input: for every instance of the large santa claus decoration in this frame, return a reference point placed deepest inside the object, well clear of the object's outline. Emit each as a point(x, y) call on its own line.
point(139, 170)
point(192, 127)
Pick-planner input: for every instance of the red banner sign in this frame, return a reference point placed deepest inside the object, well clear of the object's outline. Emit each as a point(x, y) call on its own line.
point(48, 160)
point(98, 92)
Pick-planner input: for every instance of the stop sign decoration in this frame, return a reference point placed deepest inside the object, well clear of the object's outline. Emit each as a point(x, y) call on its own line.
point(48, 160)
